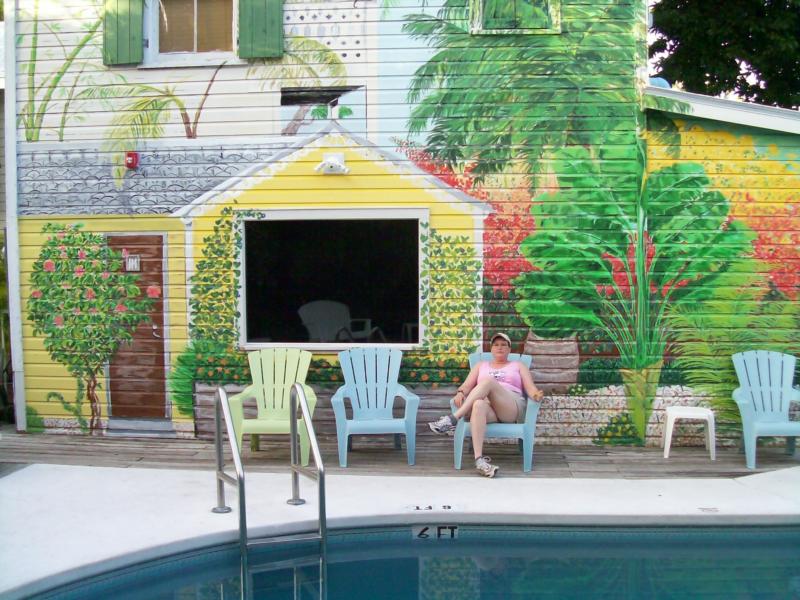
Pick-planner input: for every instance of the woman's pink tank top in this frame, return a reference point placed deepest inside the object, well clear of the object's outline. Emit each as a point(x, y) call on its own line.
point(508, 376)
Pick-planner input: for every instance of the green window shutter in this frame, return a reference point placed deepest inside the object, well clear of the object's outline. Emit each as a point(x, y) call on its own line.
point(122, 32)
point(260, 28)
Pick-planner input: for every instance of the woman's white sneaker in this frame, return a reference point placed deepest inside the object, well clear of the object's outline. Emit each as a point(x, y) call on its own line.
point(443, 424)
point(484, 466)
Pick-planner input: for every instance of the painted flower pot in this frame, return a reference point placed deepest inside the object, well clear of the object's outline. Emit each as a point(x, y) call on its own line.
point(640, 390)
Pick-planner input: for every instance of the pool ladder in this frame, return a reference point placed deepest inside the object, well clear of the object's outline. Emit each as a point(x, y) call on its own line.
point(223, 411)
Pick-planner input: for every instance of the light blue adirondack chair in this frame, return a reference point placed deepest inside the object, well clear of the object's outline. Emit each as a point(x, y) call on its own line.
point(763, 396)
point(370, 376)
point(524, 432)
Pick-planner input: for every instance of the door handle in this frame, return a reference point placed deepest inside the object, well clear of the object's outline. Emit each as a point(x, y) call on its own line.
point(155, 331)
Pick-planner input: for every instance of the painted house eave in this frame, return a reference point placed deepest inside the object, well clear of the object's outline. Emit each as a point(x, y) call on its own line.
point(719, 109)
point(399, 164)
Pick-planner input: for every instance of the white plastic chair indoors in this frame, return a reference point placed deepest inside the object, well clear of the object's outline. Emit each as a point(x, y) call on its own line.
point(329, 321)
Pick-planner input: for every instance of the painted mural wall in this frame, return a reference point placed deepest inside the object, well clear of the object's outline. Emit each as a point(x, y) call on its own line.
point(601, 238)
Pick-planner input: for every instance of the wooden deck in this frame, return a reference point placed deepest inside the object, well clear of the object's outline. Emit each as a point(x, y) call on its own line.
point(375, 455)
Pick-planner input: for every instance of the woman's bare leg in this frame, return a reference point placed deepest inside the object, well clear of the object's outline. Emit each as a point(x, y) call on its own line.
point(466, 406)
point(503, 401)
point(482, 414)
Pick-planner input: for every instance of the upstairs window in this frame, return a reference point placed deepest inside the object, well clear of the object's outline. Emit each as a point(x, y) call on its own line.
point(190, 32)
point(195, 26)
point(516, 16)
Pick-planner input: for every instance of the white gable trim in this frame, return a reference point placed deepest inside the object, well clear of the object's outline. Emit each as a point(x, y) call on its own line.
point(728, 111)
point(396, 164)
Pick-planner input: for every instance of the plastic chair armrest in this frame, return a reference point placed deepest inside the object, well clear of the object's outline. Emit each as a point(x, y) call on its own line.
point(311, 398)
point(337, 402)
point(412, 401)
point(245, 394)
point(532, 412)
point(795, 396)
point(364, 325)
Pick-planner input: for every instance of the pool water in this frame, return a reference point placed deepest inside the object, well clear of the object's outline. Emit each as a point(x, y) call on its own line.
point(480, 563)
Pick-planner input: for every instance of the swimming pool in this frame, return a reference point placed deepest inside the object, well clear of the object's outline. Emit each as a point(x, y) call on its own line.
point(479, 562)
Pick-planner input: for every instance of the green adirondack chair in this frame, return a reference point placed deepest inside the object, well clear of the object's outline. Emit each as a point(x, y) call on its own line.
point(274, 371)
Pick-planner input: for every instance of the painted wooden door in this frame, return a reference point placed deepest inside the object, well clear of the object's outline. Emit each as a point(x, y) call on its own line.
point(137, 373)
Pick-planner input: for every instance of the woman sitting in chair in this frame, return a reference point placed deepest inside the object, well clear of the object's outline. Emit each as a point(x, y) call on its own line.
point(492, 392)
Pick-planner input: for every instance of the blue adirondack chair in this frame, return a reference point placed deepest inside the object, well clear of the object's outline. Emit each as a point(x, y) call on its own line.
point(370, 376)
point(763, 396)
point(524, 432)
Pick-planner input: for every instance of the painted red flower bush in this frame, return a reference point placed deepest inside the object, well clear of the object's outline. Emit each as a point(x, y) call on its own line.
point(777, 242)
point(504, 230)
point(82, 305)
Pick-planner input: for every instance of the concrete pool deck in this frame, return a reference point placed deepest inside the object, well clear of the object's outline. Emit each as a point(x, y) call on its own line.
point(61, 523)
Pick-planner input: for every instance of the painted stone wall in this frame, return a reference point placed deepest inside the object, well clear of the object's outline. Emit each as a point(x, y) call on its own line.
point(597, 236)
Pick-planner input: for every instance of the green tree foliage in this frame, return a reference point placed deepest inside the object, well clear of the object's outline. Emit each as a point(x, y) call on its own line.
point(616, 259)
point(489, 101)
point(740, 314)
point(83, 306)
point(749, 47)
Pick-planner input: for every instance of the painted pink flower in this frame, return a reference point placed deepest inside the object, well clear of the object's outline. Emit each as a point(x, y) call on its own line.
point(79, 270)
point(49, 266)
point(90, 295)
point(120, 308)
point(61, 235)
point(93, 311)
point(36, 294)
point(58, 321)
point(81, 254)
point(105, 275)
point(77, 311)
point(153, 291)
point(124, 253)
point(95, 264)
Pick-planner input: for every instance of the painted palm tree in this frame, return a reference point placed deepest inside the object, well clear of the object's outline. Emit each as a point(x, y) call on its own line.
point(619, 258)
point(306, 63)
point(492, 101)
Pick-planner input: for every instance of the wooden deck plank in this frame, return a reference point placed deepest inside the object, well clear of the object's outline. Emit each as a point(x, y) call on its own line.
point(376, 455)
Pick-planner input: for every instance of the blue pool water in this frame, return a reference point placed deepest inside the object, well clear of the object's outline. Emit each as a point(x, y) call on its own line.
point(481, 563)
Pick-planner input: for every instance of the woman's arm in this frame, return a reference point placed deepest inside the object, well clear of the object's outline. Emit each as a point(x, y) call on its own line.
point(527, 383)
point(465, 388)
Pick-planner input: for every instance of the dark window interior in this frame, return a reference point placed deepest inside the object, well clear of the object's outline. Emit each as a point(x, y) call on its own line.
point(370, 266)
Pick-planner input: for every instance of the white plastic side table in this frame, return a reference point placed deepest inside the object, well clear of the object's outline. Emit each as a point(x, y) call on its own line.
point(694, 413)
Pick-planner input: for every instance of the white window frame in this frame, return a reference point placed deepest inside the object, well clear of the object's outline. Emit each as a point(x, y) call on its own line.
point(422, 216)
point(153, 59)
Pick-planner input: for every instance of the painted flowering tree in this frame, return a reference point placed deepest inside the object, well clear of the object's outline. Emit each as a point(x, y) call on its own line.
point(618, 258)
point(83, 306)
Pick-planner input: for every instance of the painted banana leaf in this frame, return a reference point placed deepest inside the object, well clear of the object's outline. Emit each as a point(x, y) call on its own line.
point(615, 252)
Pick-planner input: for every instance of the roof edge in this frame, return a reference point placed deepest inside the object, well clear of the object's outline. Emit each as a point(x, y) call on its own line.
point(719, 109)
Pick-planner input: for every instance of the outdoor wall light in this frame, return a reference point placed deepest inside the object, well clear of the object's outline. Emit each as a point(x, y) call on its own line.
point(332, 164)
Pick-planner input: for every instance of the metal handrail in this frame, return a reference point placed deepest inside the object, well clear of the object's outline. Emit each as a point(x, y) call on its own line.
point(222, 409)
point(297, 391)
point(222, 406)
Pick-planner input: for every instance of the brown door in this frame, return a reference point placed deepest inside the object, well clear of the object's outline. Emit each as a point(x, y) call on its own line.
point(137, 374)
